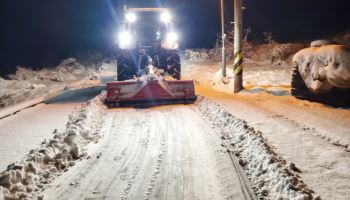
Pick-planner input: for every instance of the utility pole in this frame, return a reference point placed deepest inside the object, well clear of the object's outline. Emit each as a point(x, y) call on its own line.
point(238, 56)
point(223, 38)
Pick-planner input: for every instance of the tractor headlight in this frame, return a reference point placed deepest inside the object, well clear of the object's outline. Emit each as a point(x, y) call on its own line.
point(125, 40)
point(172, 37)
point(130, 17)
point(165, 17)
point(171, 41)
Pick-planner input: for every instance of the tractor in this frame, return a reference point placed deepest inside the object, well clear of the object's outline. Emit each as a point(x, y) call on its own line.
point(147, 33)
point(148, 64)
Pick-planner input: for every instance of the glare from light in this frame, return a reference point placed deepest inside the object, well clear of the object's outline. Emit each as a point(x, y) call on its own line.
point(171, 41)
point(172, 37)
point(130, 17)
point(165, 17)
point(124, 39)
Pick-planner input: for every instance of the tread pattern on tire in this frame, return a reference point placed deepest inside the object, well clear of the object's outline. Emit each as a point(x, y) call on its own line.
point(174, 65)
point(125, 68)
point(337, 97)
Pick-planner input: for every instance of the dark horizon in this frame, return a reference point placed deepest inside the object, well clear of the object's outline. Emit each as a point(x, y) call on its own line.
point(40, 33)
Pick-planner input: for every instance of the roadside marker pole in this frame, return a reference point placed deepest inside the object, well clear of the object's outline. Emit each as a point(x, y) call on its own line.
point(223, 38)
point(238, 56)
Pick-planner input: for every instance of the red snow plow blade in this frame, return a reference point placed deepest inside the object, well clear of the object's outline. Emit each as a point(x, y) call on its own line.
point(150, 92)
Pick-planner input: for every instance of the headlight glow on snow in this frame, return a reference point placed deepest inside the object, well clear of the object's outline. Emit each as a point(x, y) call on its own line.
point(125, 39)
point(130, 17)
point(165, 17)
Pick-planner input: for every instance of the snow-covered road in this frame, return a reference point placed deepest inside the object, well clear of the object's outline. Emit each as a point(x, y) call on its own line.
point(166, 152)
point(26, 130)
point(29, 127)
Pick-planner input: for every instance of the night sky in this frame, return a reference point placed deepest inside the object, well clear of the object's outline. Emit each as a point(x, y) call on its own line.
point(39, 33)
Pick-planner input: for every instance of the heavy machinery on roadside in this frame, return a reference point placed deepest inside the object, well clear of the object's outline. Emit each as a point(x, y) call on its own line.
point(148, 63)
point(322, 74)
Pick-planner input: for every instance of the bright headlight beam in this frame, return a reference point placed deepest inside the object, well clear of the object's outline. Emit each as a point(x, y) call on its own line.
point(130, 17)
point(124, 39)
point(172, 37)
point(165, 17)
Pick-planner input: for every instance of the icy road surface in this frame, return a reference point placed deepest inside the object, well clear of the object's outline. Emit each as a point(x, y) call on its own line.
point(165, 152)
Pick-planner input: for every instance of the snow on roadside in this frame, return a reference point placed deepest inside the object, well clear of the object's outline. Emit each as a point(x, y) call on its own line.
point(24, 179)
point(27, 84)
point(270, 175)
point(259, 73)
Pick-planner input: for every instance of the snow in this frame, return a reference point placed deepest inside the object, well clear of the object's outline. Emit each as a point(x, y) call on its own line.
point(27, 129)
point(291, 125)
point(166, 152)
point(27, 84)
point(196, 56)
point(55, 155)
point(320, 43)
point(5, 112)
point(258, 75)
point(289, 148)
point(271, 176)
point(299, 131)
point(324, 67)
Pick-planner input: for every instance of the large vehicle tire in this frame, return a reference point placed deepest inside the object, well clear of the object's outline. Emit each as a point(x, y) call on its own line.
point(174, 66)
point(337, 97)
point(126, 68)
point(171, 64)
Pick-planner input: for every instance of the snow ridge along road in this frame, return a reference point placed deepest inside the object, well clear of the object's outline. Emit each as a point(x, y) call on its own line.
point(24, 179)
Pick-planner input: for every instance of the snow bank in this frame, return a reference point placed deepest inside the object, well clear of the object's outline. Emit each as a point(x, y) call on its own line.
point(270, 175)
point(320, 43)
point(27, 84)
point(343, 39)
point(68, 69)
point(324, 67)
point(13, 91)
point(270, 69)
point(23, 179)
point(196, 55)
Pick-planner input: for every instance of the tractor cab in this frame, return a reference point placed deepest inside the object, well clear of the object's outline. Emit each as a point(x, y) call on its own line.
point(147, 33)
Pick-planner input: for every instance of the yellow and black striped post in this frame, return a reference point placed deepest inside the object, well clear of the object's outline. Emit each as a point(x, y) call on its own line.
point(238, 62)
point(238, 56)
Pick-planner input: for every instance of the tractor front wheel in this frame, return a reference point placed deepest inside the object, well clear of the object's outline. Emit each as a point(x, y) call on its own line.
point(171, 64)
point(125, 67)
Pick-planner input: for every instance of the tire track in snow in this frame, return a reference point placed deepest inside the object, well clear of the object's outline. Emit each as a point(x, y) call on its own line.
point(313, 131)
point(159, 162)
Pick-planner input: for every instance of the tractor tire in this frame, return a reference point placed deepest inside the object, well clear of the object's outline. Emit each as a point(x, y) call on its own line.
point(337, 97)
point(125, 67)
point(174, 66)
